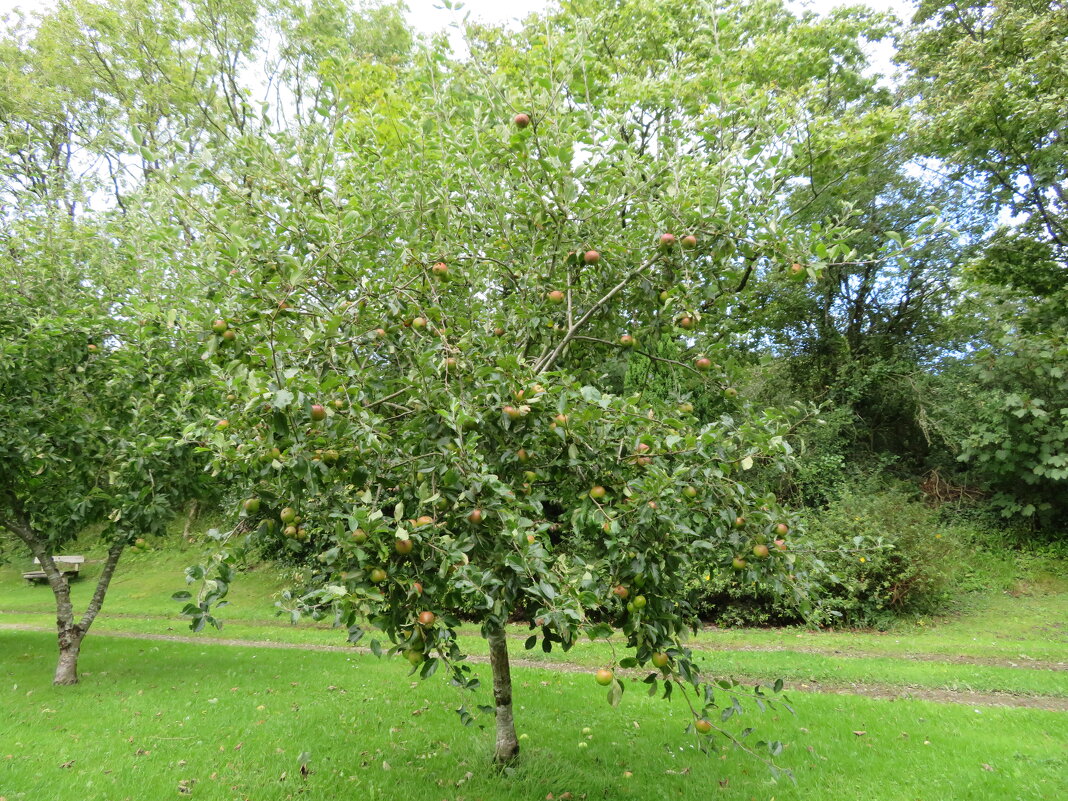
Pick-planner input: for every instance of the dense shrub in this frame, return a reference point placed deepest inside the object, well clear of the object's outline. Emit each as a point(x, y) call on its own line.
point(876, 554)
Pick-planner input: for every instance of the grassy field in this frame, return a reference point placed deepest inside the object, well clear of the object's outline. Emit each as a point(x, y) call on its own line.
point(1002, 633)
point(158, 719)
point(231, 723)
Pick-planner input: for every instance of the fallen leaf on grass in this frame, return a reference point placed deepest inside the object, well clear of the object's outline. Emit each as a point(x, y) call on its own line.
point(988, 767)
point(69, 764)
point(860, 733)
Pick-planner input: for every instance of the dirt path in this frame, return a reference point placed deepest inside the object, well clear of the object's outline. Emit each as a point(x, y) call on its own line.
point(955, 659)
point(890, 692)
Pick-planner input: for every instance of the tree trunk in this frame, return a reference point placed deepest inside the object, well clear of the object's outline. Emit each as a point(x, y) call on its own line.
point(507, 743)
point(70, 644)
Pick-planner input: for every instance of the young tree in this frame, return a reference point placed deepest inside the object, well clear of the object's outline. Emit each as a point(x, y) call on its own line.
point(95, 383)
point(436, 290)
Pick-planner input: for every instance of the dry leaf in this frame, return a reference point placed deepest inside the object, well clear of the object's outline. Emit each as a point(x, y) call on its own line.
point(860, 733)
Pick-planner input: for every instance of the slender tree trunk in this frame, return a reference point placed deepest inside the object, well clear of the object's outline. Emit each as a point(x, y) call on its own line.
point(507, 743)
point(70, 645)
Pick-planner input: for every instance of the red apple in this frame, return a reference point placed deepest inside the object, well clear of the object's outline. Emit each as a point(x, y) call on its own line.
point(403, 547)
point(627, 341)
point(686, 322)
point(620, 591)
point(604, 677)
point(318, 412)
point(689, 241)
point(556, 296)
point(703, 363)
point(440, 269)
point(475, 516)
point(760, 551)
point(782, 529)
point(427, 618)
point(521, 120)
point(591, 257)
point(667, 240)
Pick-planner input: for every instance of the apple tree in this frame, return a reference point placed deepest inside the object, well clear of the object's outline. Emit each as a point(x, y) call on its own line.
point(96, 381)
point(437, 290)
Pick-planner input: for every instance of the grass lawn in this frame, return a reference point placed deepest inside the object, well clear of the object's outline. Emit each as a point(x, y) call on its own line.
point(1010, 630)
point(227, 723)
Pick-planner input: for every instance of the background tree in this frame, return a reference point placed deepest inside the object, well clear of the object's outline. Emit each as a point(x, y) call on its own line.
point(991, 100)
point(95, 382)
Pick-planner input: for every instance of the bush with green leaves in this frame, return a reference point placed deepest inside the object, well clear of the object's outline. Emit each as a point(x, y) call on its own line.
point(887, 555)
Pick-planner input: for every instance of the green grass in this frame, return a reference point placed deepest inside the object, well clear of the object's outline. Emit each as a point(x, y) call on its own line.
point(1013, 629)
point(232, 720)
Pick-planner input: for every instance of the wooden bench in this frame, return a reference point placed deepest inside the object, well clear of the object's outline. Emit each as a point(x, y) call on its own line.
point(67, 565)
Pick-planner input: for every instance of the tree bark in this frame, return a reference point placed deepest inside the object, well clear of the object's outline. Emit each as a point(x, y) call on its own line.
point(507, 747)
point(70, 645)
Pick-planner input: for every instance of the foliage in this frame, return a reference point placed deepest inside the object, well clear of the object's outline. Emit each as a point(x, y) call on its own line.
point(1018, 437)
point(912, 568)
point(93, 386)
point(990, 77)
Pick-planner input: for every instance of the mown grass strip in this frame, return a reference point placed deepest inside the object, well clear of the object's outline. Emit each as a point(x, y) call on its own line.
point(152, 718)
